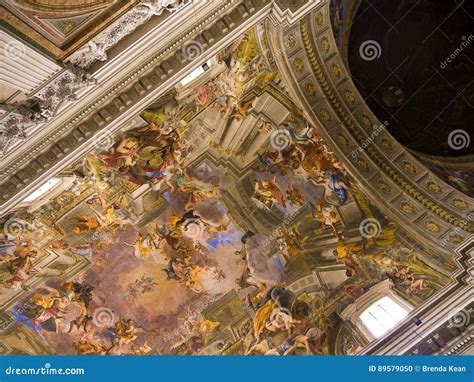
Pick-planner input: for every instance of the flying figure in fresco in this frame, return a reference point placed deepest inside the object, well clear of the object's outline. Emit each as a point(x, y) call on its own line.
point(267, 194)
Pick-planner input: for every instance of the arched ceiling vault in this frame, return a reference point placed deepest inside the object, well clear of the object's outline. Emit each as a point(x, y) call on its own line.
point(429, 208)
point(186, 187)
point(420, 75)
point(412, 63)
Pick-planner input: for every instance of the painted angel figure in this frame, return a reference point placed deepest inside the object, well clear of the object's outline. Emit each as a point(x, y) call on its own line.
point(267, 193)
point(122, 155)
point(196, 188)
point(19, 268)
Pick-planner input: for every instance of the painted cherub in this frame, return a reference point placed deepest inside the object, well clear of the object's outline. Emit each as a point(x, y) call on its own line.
point(294, 196)
point(291, 241)
point(416, 286)
point(280, 320)
point(242, 109)
point(20, 268)
point(325, 215)
point(143, 246)
point(123, 154)
point(125, 332)
point(85, 223)
point(91, 347)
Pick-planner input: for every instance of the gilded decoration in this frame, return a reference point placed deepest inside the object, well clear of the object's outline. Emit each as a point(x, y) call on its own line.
point(325, 115)
point(460, 204)
point(366, 120)
point(342, 140)
point(408, 166)
point(221, 223)
point(299, 64)
point(362, 164)
point(455, 239)
point(181, 248)
point(386, 145)
point(350, 96)
point(360, 138)
point(319, 19)
point(291, 40)
point(408, 208)
point(432, 226)
point(58, 30)
point(325, 45)
point(384, 186)
point(311, 89)
point(434, 187)
point(336, 70)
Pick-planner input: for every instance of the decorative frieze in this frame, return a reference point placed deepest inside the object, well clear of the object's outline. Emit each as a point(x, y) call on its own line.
point(96, 49)
point(19, 118)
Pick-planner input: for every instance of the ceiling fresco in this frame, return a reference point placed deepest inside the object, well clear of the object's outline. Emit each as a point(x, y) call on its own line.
point(219, 223)
point(58, 27)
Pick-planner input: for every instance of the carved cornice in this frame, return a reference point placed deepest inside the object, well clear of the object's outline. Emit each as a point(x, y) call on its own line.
point(20, 118)
point(128, 96)
point(96, 49)
point(126, 92)
point(461, 345)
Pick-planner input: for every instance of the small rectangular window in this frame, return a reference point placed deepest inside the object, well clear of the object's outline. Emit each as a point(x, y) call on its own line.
point(196, 73)
point(43, 189)
point(382, 316)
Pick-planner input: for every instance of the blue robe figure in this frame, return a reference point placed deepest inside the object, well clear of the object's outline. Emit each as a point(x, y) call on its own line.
point(334, 186)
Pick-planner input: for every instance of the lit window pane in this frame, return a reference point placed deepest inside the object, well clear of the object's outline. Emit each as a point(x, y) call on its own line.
point(42, 190)
point(195, 73)
point(382, 316)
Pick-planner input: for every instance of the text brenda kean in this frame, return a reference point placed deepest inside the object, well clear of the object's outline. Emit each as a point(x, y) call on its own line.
point(423, 369)
point(45, 370)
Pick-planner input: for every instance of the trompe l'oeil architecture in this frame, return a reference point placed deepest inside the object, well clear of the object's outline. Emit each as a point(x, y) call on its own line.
point(236, 177)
